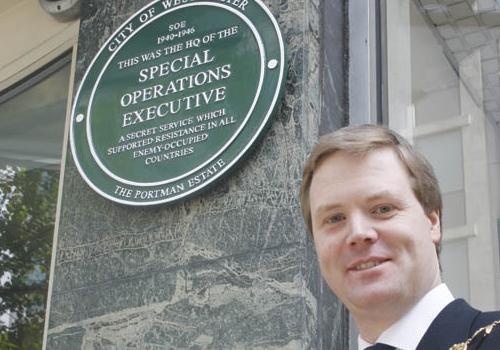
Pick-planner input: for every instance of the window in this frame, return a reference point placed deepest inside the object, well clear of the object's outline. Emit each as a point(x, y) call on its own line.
point(32, 119)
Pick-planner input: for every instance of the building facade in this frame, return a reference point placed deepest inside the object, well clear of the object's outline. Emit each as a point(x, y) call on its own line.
point(233, 267)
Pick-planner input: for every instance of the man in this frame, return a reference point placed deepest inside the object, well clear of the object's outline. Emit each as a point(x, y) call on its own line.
point(373, 206)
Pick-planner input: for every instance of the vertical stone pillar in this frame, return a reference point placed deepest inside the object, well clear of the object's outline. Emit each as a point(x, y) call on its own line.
point(231, 269)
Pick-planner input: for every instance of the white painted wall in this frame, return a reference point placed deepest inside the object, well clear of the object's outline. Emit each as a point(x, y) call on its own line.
point(429, 103)
point(493, 144)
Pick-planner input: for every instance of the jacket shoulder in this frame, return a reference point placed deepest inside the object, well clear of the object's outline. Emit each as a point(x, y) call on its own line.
point(485, 318)
point(456, 324)
point(486, 331)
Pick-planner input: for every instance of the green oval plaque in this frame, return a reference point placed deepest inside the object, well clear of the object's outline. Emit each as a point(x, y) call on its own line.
point(176, 97)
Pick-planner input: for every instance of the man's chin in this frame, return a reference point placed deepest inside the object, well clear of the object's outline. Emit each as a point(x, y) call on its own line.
point(375, 297)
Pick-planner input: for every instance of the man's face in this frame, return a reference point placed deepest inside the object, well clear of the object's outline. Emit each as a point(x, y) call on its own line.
point(375, 244)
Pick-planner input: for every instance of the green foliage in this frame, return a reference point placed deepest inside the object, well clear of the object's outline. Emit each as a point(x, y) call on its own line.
point(27, 212)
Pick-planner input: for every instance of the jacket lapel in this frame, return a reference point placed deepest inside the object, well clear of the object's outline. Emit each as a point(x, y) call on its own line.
point(451, 326)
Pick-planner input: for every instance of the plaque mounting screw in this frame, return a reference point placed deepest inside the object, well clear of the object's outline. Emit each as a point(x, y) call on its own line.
point(272, 64)
point(79, 118)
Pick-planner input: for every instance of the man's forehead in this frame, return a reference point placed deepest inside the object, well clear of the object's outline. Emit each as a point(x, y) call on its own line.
point(345, 173)
point(359, 157)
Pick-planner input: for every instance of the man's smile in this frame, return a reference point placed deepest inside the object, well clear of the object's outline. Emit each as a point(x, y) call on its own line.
point(366, 264)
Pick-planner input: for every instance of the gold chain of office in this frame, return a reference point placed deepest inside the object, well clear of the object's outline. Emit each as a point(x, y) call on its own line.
point(484, 332)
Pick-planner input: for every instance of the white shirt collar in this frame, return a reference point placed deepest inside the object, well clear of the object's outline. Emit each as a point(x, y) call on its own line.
point(406, 333)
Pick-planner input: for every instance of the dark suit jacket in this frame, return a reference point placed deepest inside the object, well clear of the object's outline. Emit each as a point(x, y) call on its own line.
point(456, 323)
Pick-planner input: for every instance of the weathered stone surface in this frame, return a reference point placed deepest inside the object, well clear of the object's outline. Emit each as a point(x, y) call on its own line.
point(231, 269)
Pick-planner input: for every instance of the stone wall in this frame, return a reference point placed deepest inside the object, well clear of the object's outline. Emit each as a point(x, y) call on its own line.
point(231, 269)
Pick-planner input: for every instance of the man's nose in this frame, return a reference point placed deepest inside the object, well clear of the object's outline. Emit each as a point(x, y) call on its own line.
point(361, 230)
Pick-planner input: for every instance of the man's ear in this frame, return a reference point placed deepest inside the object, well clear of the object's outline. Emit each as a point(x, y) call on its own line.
point(435, 229)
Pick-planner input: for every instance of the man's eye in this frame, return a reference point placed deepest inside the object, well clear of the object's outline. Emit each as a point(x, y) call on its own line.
point(383, 209)
point(336, 218)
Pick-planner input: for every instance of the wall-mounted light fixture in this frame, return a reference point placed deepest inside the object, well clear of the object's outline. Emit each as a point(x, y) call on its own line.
point(62, 10)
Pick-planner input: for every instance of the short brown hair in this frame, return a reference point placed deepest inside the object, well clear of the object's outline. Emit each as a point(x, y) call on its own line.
point(360, 140)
